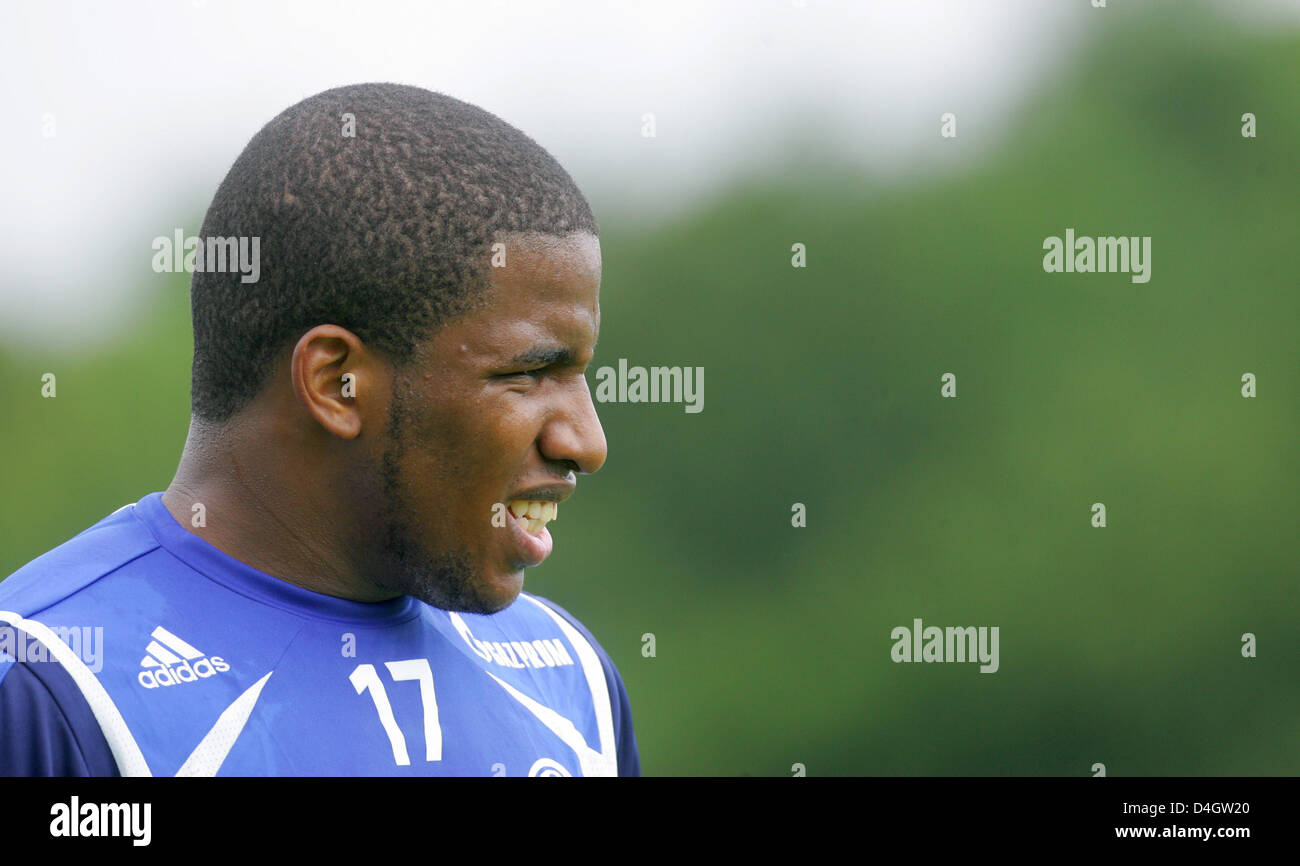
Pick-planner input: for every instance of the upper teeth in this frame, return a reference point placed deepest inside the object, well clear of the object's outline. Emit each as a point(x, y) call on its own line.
point(533, 514)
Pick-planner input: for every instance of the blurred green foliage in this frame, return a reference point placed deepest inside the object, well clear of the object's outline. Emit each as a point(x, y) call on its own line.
point(1118, 645)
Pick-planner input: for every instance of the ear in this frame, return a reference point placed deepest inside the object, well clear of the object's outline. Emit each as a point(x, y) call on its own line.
point(335, 378)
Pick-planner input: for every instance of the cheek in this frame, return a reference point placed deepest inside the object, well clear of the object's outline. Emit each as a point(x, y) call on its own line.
point(500, 454)
point(472, 459)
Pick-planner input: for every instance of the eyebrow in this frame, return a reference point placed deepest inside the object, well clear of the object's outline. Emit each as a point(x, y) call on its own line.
point(548, 355)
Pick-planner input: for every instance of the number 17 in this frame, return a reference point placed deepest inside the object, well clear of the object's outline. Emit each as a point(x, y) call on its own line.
point(365, 677)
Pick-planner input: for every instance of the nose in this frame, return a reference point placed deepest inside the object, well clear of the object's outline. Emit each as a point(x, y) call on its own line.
point(573, 435)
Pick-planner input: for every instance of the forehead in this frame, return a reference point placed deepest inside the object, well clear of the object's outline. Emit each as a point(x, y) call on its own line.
point(542, 289)
point(541, 267)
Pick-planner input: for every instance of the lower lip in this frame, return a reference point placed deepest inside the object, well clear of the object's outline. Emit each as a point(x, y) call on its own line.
point(535, 548)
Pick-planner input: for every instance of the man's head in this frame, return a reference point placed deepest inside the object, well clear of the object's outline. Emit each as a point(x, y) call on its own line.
point(449, 266)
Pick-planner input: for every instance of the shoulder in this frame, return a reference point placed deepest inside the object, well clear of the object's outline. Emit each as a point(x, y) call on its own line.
point(51, 701)
point(554, 610)
point(52, 730)
point(49, 579)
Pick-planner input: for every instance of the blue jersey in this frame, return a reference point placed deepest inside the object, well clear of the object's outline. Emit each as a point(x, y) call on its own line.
point(137, 648)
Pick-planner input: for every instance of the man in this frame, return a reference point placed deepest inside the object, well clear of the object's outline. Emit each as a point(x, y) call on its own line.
point(383, 423)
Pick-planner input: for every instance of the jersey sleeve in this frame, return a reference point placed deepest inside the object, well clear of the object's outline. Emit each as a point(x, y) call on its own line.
point(46, 726)
point(629, 759)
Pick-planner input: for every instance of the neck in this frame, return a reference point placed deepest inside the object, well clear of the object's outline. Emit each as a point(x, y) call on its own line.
point(257, 508)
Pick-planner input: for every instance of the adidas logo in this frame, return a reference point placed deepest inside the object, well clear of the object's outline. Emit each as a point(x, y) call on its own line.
point(170, 660)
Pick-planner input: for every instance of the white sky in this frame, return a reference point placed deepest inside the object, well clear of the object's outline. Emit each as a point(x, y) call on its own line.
point(152, 102)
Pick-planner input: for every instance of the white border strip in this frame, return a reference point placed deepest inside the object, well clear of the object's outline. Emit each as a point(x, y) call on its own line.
point(130, 760)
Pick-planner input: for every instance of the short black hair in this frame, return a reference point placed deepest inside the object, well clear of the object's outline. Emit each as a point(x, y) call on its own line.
point(386, 232)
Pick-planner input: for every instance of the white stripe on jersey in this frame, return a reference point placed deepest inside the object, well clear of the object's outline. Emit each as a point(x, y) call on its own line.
point(593, 763)
point(211, 752)
point(130, 760)
point(605, 756)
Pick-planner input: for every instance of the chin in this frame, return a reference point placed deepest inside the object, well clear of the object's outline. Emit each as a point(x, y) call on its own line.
point(454, 583)
point(502, 591)
point(489, 593)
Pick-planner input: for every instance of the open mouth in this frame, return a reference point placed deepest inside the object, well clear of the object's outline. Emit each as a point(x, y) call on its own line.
point(533, 515)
